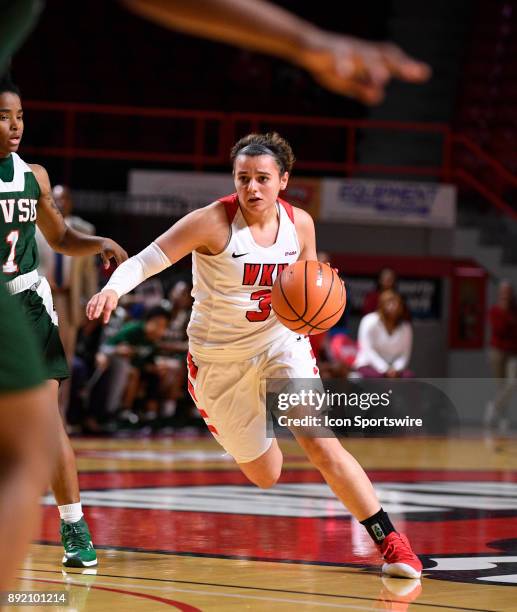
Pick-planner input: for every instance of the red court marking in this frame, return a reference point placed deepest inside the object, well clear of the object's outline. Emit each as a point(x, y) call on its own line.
point(167, 477)
point(328, 540)
point(168, 602)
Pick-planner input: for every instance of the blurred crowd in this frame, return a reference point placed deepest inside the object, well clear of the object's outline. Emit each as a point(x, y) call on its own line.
point(131, 373)
point(502, 355)
point(384, 340)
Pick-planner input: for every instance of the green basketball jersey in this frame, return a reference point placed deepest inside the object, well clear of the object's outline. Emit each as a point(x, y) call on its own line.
point(19, 194)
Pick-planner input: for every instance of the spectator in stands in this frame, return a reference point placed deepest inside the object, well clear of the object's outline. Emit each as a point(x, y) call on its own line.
point(342, 351)
point(96, 393)
point(80, 414)
point(385, 340)
point(502, 354)
point(72, 280)
point(136, 344)
point(174, 347)
point(386, 281)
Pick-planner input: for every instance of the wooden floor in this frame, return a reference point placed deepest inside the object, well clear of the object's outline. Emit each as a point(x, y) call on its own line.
point(176, 525)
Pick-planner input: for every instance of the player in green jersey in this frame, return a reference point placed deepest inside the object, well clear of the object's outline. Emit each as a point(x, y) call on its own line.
point(26, 199)
point(26, 443)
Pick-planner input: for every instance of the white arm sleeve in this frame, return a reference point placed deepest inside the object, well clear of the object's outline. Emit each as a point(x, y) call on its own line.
point(136, 269)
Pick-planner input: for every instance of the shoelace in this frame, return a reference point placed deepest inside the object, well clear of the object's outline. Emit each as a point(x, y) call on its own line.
point(403, 548)
point(80, 539)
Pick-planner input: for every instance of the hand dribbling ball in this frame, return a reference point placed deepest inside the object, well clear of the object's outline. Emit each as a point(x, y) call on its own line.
point(308, 297)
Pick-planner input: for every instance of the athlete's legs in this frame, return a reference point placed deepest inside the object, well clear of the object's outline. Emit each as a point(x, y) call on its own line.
point(264, 471)
point(343, 474)
point(26, 431)
point(75, 535)
point(341, 471)
point(64, 481)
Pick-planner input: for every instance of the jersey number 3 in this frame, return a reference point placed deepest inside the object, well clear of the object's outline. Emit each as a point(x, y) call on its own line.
point(264, 303)
point(10, 265)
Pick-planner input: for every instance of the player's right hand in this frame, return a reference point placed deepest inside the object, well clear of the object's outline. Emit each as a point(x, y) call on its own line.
point(102, 303)
point(358, 68)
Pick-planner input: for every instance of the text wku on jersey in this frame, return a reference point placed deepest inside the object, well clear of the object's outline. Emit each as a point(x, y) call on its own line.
point(232, 316)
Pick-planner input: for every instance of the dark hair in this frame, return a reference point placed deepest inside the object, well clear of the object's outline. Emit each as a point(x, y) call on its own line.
point(157, 311)
point(404, 315)
point(265, 144)
point(7, 85)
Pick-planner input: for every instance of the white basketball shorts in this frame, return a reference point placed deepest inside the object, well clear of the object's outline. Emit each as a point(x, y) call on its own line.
point(231, 397)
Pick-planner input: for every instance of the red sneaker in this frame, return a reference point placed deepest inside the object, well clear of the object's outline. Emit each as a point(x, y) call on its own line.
point(400, 559)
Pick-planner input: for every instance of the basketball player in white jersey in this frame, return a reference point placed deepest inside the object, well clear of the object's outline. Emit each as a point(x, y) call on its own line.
point(239, 244)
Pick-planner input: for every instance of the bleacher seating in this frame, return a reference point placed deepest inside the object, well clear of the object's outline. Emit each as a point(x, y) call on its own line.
point(487, 98)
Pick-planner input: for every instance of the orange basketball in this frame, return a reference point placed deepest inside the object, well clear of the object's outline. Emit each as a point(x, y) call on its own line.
point(308, 297)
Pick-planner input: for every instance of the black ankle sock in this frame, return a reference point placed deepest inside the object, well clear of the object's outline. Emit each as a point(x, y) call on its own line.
point(378, 526)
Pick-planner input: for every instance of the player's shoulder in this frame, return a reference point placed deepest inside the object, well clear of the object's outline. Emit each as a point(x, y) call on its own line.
point(206, 228)
point(212, 214)
point(302, 220)
point(41, 174)
point(211, 226)
point(302, 216)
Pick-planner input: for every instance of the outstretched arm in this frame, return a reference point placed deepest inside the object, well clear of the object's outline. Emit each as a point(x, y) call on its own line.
point(206, 229)
point(345, 65)
point(63, 238)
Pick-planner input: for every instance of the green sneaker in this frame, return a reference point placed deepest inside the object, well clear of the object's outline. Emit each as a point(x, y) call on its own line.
point(78, 545)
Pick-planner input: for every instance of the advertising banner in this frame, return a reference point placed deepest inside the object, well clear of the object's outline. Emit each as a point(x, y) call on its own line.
point(191, 190)
point(423, 296)
point(398, 202)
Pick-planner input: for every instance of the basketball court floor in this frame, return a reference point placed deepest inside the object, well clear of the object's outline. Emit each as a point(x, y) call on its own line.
point(177, 526)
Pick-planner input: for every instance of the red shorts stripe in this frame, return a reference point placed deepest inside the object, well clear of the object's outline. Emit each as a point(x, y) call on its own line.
point(191, 390)
point(213, 429)
point(192, 367)
point(203, 413)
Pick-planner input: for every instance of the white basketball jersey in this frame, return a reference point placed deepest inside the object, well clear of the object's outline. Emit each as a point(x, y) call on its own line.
point(232, 316)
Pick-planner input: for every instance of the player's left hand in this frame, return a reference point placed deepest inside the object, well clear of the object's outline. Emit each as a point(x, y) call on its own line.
point(110, 249)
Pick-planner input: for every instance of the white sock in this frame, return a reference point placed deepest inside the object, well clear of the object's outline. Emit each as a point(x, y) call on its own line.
point(71, 513)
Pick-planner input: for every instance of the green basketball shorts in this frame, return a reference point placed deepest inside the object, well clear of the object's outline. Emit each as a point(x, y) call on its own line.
point(37, 304)
point(21, 366)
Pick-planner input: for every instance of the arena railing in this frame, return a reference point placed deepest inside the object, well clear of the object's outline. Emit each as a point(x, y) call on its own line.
point(225, 128)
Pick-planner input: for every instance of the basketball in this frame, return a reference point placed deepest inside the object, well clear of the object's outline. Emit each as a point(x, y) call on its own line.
point(308, 297)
